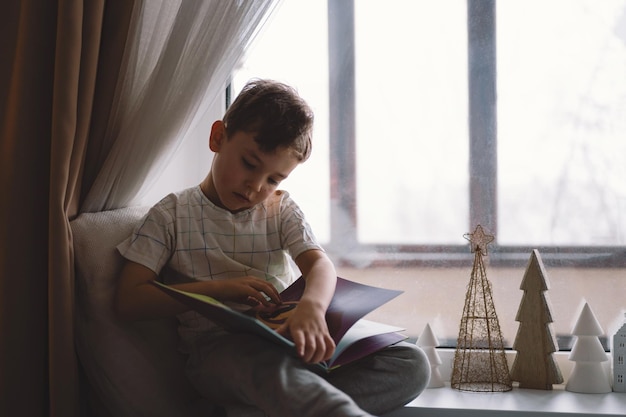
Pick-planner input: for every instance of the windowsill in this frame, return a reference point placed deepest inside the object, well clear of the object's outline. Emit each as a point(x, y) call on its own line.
point(446, 402)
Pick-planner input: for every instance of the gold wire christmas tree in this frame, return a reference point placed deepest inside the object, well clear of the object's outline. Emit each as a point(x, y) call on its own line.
point(479, 361)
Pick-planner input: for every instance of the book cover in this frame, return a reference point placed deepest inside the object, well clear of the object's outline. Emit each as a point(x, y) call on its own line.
point(354, 336)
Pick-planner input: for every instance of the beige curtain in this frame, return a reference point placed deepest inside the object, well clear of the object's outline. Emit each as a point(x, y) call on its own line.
point(65, 71)
point(53, 56)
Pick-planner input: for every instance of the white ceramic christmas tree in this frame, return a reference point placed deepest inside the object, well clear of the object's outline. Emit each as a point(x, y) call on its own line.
point(428, 342)
point(589, 375)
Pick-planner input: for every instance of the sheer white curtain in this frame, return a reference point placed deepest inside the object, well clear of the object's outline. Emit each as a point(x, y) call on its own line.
point(176, 63)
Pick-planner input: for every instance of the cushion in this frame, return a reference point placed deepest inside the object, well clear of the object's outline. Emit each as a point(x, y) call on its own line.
point(134, 369)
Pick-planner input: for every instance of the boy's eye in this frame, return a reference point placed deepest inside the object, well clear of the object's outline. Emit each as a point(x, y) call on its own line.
point(272, 181)
point(247, 164)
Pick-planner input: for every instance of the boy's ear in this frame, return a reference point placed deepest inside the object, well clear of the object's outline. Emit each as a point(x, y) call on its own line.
point(218, 136)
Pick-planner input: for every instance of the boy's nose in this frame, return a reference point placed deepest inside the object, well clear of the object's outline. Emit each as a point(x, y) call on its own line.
point(255, 184)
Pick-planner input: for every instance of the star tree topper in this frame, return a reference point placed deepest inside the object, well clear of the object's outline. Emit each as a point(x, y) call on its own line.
point(479, 240)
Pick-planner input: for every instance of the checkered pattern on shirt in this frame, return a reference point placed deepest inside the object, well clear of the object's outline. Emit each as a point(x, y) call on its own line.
point(198, 240)
point(185, 236)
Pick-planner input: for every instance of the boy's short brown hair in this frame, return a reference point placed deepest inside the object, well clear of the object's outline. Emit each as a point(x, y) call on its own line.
point(275, 113)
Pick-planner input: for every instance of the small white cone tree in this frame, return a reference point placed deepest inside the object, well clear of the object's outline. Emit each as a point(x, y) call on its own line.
point(428, 342)
point(589, 375)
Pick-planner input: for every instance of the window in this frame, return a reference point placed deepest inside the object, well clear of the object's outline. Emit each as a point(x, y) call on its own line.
point(432, 117)
point(561, 124)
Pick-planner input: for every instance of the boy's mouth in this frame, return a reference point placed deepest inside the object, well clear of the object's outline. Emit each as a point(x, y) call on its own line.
point(242, 197)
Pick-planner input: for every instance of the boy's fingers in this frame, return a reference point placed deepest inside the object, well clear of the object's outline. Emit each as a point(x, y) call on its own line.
point(298, 339)
point(274, 295)
point(269, 290)
point(311, 351)
point(330, 348)
point(324, 350)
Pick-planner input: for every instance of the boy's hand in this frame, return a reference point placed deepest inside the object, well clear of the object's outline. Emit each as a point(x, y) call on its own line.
point(248, 290)
point(306, 326)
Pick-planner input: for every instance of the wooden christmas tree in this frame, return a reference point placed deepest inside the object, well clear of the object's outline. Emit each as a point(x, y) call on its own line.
point(588, 375)
point(535, 343)
point(479, 360)
point(428, 342)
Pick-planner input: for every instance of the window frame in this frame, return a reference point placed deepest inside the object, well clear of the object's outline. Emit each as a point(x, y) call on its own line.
point(482, 111)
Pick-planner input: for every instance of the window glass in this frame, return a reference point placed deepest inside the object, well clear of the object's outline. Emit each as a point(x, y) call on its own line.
point(561, 97)
point(293, 48)
point(411, 121)
point(561, 122)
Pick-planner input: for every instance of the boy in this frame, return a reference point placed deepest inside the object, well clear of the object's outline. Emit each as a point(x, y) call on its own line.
point(229, 238)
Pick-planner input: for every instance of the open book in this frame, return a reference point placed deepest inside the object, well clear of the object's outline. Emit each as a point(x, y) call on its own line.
point(354, 336)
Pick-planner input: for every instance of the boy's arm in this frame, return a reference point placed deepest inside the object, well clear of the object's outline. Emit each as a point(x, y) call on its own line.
point(307, 325)
point(137, 299)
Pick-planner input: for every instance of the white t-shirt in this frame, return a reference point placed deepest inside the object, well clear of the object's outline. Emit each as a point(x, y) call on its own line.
point(186, 237)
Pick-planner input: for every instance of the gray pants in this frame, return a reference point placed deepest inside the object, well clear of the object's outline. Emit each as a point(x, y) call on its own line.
point(241, 369)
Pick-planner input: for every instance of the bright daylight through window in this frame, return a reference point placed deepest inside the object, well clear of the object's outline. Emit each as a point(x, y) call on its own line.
point(432, 117)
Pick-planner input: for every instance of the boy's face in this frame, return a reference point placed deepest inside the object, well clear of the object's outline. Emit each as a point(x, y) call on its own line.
point(243, 176)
